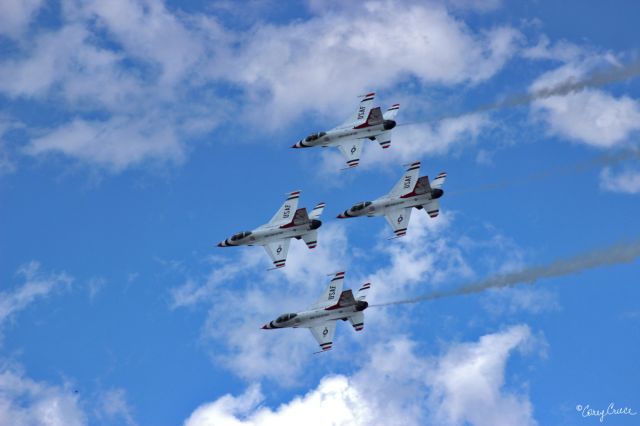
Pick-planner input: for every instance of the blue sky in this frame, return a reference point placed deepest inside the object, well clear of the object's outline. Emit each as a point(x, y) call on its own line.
point(136, 134)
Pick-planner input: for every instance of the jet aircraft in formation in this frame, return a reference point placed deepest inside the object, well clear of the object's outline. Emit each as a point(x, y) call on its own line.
point(396, 206)
point(290, 222)
point(275, 236)
point(321, 317)
point(366, 123)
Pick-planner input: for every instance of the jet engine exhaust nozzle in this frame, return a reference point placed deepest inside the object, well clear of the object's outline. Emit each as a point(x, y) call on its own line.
point(389, 124)
point(361, 305)
point(436, 193)
point(315, 224)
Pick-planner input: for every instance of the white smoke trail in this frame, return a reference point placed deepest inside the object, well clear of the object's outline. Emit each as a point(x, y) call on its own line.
point(597, 79)
point(621, 252)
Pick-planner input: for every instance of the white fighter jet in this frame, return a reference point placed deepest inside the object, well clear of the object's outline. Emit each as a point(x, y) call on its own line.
point(366, 123)
point(275, 236)
point(320, 318)
point(409, 192)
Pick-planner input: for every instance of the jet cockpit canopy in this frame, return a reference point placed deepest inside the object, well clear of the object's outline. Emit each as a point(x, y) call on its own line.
point(285, 317)
point(360, 206)
point(240, 235)
point(312, 137)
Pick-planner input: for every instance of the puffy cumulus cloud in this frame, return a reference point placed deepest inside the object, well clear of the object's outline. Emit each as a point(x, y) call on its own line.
point(588, 115)
point(425, 255)
point(314, 65)
point(115, 144)
point(132, 80)
point(15, 16)
point(465, 385)
point(333, 402)
point(37, 285)
point(25, 402)
point(625, 182)
point(591, 116)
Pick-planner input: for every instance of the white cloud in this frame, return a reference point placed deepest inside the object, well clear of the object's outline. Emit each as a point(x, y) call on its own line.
point(115, 144)
point(591, 116)
point(37, 285)
point(135, 79)
point(25, 402)
point(463, 386)
point(349, 56)
point(467, 382)
point(625, 182)
point(15, 16)
point(112, 405)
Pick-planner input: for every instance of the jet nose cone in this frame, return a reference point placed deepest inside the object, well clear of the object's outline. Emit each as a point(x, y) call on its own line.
point(222, 244)
point(264, 327)
point(297, 144)
point(342, 215)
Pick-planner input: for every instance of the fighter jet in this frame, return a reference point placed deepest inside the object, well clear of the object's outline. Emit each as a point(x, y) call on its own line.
point(366, 123)
point(409, 192)
point(275, 236)
point(320, 318)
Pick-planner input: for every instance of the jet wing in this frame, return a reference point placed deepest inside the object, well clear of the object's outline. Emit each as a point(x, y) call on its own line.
point(285, 214)
point(351, 151)
point(399, 220)
point(311, 238)
point(407, 182)
point(357, 320)
point(331, 293)
point(277, 251)
point(362, 112)
point(324, 334)
point(432, 208)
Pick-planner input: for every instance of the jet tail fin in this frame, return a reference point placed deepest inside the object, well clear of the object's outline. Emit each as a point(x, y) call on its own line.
point(422, 185)
point(346, 298)
point(391, 113)
point(317, 211)
point(301, 217)
point(439, 180)
point(361, 294)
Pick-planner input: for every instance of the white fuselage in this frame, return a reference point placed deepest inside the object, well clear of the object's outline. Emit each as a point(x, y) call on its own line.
point(384, 205)
point(267, 234)
point(343, 134)
point(314, 317)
